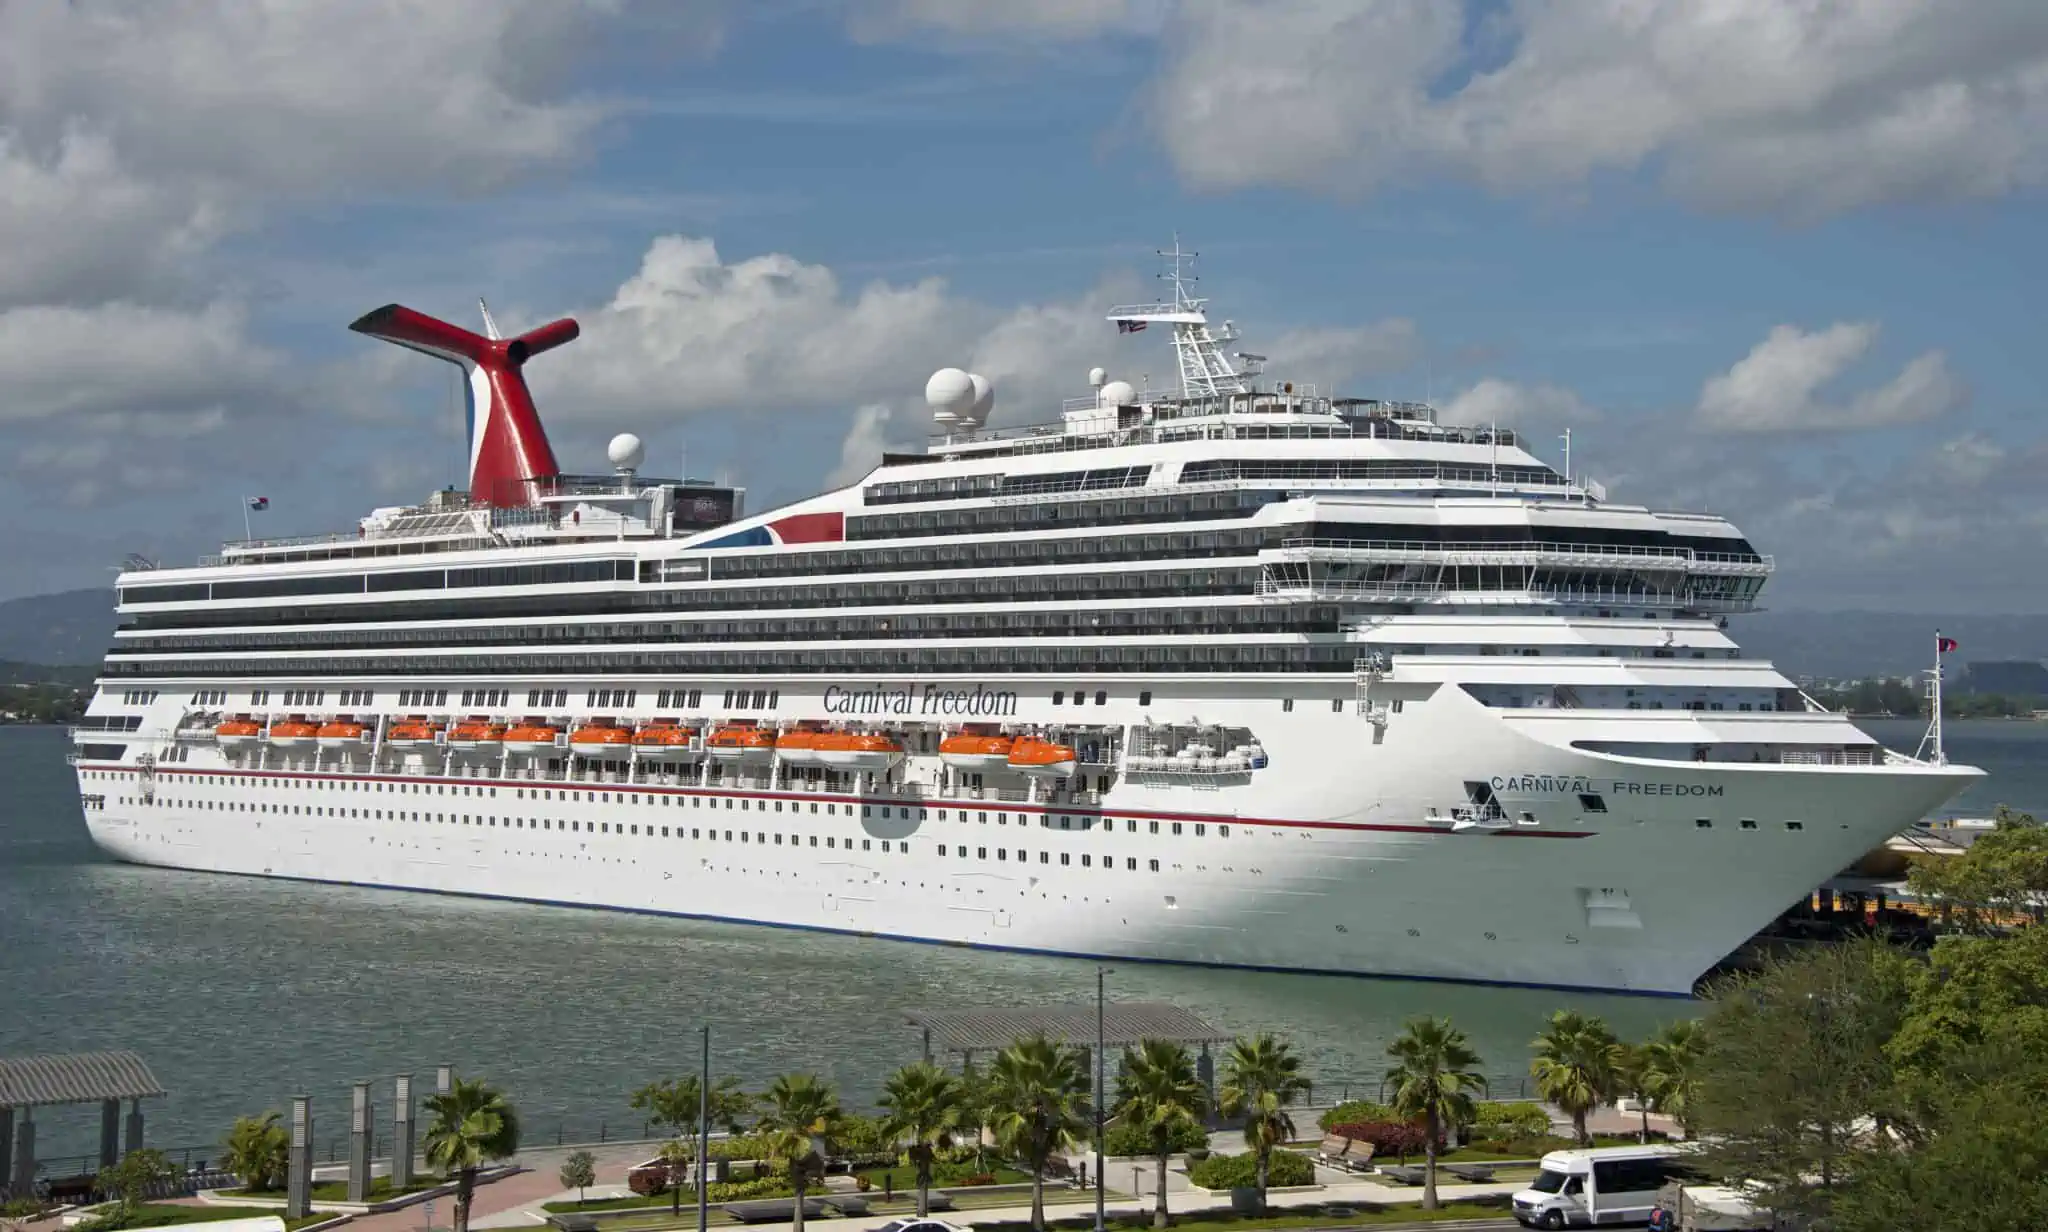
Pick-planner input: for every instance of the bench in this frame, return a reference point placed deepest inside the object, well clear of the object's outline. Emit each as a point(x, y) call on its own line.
point(1404, 1174)
point(1477, 1174)
point(772, 1210)
point(1338, 1151)
point(851, 1206)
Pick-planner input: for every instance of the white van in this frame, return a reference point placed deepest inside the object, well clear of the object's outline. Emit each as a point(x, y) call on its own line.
point(1615, 1184)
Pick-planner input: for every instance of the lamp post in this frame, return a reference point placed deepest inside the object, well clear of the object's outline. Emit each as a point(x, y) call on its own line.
point(1100, 1045)
point(704, 1135)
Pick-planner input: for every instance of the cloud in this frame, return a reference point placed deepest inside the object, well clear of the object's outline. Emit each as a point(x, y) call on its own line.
point(1046, 20)
point(1790, 109)
point(1332, 358)
point(82, 365)
point(1494, 401)
point(864, 445)
point(1776, 387)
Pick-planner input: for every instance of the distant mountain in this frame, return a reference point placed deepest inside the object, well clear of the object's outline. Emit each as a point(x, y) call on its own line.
point(77, 676)
point(1841, 645)
point(72, 627)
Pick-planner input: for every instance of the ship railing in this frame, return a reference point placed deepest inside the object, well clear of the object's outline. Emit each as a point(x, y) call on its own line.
point(1506, 553)
point(1868, 756)
point(1311, 590)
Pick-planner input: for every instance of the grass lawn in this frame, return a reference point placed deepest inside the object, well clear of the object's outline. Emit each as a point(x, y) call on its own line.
point(1300, 1217)
point(337, 1191)
point(905, 1202)
point(164, 1215)
point(903, 1177)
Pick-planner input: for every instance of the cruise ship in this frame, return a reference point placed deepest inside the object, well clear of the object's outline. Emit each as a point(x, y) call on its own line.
point(1237, 673)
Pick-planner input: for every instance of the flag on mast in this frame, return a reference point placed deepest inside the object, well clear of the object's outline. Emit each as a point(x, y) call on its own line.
point(258, 503)
point(1943, 645)
point(1130, 327)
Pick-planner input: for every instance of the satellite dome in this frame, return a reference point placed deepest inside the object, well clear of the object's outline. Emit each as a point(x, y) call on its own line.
point(1118, 393)
point(984, 397)
point(626, 452)
point(950, 389)
point(1096, 376)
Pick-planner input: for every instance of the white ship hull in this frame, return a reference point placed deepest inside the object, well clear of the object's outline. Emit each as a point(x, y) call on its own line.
point(1332, 860)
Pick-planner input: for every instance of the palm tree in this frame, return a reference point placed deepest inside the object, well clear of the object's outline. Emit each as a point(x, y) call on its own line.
point(467, 1125)
point(1435, 1072)
point(1261, 1076)
point(925, 1106)
point(1632, 1079)
point(673, 1104)
point(797, 1114)
point(259, 1150)
point(1160, 1094)
point(1672, 1059)
point(1574, 1066)
point(1038, 1103)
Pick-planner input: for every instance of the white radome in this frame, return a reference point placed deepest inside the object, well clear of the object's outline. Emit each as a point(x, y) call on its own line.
point(984, 397)
point(1118, 393)
point(626, 452)
point(950, 389)
point(1096, 376)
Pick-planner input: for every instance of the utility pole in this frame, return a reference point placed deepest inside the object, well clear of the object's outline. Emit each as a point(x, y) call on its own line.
point(704, 1136)
point(1100, 972)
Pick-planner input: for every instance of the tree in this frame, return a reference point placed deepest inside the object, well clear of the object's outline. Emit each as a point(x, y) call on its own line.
point(1632, 1080)
point(923, 1108)
point(259, 1150)
point(468, 1125)
point(797, 1114)
point(1160, 1094)
point(1435, 1072)
point(579, 1172)
point(1671, 1069)
point(1795, 1080)
point(672, 1104)
point(133, 1180)
point(2000, 877)
point(1038, 1103)
point(676, 1155)
point(1261, 1076)
point(1574, 1066)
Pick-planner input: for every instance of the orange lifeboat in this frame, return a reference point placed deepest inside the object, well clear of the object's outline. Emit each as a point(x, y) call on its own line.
point(858, 751)
point(664, 741)
point(294, 734)
point(413, 733)
point(600, 740)
point(531, 738)
point(798, 746)
point(741, 743)
point(238, 733)
point(1042, 758)
point(477, 736)
point(976, 751)
point(342, 733)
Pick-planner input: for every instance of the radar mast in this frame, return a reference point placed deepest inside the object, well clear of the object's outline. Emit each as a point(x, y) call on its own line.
point(1204, 372)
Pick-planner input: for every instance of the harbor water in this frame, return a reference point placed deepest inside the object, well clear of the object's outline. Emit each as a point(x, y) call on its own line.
point(241, 992)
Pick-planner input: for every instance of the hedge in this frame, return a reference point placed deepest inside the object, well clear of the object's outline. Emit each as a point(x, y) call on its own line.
point(1356, 1111)
point(1517, 1120)
point(1128, 1139)
point(1242, 1171)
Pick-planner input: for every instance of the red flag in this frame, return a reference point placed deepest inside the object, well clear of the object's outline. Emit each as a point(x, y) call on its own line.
point(1130, 327)
point(1944, 644)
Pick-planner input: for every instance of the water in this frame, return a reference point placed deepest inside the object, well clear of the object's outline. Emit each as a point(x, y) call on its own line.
point(240, 992)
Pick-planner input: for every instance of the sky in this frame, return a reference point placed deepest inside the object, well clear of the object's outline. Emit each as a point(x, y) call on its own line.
point(1781, 260)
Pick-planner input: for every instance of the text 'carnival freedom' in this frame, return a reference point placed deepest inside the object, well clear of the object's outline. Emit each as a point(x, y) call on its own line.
point(1560, 784)
point(976, 702)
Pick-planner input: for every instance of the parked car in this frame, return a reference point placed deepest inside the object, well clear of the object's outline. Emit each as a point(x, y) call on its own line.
point(912, 1223)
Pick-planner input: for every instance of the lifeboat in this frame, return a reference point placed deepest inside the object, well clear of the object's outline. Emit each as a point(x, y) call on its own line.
point(599, 741)
point(531, 738)
point(748, 745)
point(798, 746)
point(238, 733)
point(413, 733)
point(1042, 758)
point(343, 733)
point(855, 751)
point(294, 734)
point(970, 751)
point(477, 736)
point(664, 742)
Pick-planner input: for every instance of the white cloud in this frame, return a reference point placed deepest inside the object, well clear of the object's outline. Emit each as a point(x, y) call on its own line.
point(864, 445)
point(1332, 358)
point(1494, 401)
point(1777, 386)
point(84, 365)
point(1049, 20)
point(1791, 108)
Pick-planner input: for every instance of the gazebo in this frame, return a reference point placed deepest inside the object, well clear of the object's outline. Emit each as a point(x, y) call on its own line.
point(103, 1078)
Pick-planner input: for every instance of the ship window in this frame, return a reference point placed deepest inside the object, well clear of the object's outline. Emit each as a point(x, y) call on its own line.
point(1795, 825)
point(1703, 823)
point(1592, 803)
point(1286, 703)
point(1223, 830)
point(942, 849)
point(981, 853)
point(1131, 863)
point(1058, 696)
point(1155, 866)
point(1152, 827)
point(1101, 697)
point(1145, 697)
point(1088, 860)
point(1748, 823)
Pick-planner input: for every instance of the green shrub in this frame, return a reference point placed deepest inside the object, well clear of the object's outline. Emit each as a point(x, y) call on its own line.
point(862, 1137)
point(1127, 1139)
point(1242, 1171)
point(1355, 1111)
point(1516, 1120)
point(1524, 1147)
point(740, 1146)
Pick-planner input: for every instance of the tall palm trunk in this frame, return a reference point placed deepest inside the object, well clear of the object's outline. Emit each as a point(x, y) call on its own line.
point(465, 1189)
point(797, 1177)
point(1579, 1127)
point(1160, 1216)
point(1264, 1152)
point(924, 1185)
point(1644, 1107)
point(1429, 1162)
point(1037, 1197)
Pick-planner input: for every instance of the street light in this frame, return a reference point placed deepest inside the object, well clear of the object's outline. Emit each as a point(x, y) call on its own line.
point(704, 1135)
point(1100, 1045)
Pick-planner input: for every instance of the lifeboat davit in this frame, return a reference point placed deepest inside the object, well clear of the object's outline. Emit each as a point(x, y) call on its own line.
point(798, 747)
point(415, 733)
point(340, 734)
point(599, 741)
point(238, 733)
point(531, 739)
point(969, 751)
point(476, 736)
point(1042, 758)
point(664, 742)
point(747, 745)
point(855, 751)
point(294, 734)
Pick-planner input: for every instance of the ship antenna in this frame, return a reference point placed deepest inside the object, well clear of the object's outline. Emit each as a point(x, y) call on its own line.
point(490, 326)
point(1930, 749)
point(1204, 372)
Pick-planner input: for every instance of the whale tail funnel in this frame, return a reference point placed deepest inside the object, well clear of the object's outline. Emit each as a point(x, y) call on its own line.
point(510, 460)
